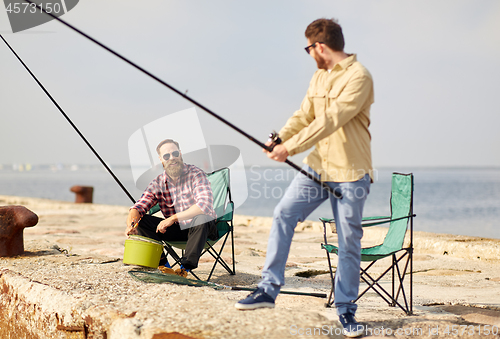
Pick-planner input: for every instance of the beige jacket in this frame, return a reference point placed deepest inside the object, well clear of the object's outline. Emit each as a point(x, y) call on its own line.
point(334, 116)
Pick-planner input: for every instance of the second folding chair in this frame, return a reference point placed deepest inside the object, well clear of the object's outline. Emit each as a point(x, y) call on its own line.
point(401, 257)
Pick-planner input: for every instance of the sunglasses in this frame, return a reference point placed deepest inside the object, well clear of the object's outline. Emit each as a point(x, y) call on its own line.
point(308, 48)
point(175, 154)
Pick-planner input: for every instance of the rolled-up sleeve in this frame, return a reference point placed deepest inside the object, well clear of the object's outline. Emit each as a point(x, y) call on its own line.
point(147, 200)
point(202, 193)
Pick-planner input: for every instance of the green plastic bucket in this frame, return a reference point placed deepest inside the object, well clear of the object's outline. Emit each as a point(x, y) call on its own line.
point(142, 251)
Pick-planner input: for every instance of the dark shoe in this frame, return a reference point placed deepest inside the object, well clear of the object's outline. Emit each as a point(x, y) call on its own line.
point(351, 327)
point(256, 299)
point(164, 262)
point(181, 272)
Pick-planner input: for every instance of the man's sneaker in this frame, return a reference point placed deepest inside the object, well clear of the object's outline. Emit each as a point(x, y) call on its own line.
point(256, 299)
point(182, 272)
point(351, 327)
point(166, 270)
point(164, 262)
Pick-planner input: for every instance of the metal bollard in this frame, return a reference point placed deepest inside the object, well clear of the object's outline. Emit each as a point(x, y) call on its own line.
point(83, 194)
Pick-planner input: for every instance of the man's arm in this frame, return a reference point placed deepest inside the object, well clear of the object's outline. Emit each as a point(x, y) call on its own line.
point(190, 213)
point(202, 193)
point(300, 119)
point(141, 207)
point(132, 219)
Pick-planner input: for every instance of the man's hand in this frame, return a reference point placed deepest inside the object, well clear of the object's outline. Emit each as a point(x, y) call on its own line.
point(279, 152)
point(163, 225)
point(132, 220)
point(131, 230)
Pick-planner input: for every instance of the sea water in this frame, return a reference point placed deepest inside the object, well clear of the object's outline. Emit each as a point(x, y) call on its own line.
point(463, 201)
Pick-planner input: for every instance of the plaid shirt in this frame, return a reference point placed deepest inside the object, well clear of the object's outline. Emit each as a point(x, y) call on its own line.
point(192, 188)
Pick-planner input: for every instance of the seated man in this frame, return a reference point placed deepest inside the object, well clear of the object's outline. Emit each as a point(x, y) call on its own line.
point(185, 198)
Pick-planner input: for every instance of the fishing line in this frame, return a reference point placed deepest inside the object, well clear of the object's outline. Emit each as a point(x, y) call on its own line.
point(185, 96)
point(69, 120)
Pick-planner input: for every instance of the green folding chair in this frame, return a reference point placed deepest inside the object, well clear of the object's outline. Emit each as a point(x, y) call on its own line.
point(223, 206)
point(401, 215)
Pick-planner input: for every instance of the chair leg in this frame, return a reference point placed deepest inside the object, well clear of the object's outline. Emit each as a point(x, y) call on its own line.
point(393, 257)
point(232, 248)
point(330, 301)
point(411, 280)
point(375, 286)
point(401, 277)
point(218, 258)
point(363, 271)
point(167, 248)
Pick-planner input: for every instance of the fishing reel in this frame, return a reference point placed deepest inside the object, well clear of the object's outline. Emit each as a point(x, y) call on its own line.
point(274, 138)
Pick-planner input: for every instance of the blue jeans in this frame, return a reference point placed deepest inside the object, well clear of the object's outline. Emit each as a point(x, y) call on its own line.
point(301, 198)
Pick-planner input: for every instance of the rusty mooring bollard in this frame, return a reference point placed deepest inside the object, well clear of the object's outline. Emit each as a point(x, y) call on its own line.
point(13, 220)
point(83, 194)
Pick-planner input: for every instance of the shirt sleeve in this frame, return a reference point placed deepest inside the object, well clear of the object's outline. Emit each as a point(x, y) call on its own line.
point(300, 119)
point(147, 200)
point(202, 193)
point(341, 110)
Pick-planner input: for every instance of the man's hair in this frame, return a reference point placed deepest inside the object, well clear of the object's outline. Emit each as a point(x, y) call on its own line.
point(167, 141)
point(327, 31)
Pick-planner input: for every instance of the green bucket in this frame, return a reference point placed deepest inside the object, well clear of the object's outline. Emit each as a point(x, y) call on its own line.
point(142, 251)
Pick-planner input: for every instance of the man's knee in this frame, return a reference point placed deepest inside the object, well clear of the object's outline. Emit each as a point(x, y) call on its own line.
point(287, 213)
point(200, 219)
point(200, 223)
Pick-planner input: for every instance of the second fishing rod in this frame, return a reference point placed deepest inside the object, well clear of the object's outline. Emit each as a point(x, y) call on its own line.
point(185, 96)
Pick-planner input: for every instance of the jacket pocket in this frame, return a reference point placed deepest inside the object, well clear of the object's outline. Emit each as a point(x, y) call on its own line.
point(318, 98)
point(335, 92)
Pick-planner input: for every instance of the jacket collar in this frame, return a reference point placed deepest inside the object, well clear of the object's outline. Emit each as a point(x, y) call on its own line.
point(344, 64)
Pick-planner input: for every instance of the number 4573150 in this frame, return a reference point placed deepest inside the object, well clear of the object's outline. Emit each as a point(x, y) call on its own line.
point(25, 7)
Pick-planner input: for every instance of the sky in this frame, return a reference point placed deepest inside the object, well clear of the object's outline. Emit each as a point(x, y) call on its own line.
point(435, 65)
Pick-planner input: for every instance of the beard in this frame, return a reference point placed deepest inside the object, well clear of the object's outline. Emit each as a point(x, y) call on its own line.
point(321, 62)
point(173, 166)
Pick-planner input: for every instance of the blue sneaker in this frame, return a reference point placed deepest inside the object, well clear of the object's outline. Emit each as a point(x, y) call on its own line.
point(256, 299)
point(164, 262)
point(351, 327)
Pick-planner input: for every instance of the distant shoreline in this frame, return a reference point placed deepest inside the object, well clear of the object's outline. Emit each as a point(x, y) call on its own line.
point(46, 205)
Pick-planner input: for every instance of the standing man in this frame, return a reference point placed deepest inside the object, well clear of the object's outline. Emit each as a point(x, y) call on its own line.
point(185, 198)
point(334, 117)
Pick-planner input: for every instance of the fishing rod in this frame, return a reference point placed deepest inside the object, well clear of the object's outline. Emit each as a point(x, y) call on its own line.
point(69, 120)
point(155, 277)
point(185, 96)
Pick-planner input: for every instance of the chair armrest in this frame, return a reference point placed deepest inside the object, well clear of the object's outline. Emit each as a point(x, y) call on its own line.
point(385, 221)
point(376, 218)
point(228, 213)
point(364, 219)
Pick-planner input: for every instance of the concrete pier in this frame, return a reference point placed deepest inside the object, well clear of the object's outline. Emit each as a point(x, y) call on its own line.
point(71, 283)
